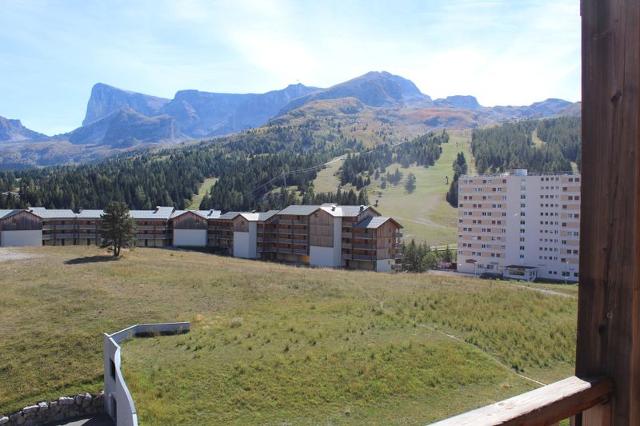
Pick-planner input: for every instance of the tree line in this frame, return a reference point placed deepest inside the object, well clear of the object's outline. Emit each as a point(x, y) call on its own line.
point(514, 145)
point(418, 257)
point(249, 166)
point(459, 168)
point(359, 168)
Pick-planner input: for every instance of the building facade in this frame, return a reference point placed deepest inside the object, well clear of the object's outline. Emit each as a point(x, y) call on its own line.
point(20, 228)
point(330, 236)
point(519, 225)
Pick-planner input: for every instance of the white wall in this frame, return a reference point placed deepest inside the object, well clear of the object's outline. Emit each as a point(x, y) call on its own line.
point(384, 265)
point(322, 257)
point(337, 241)
point(253, 240)
point(190, 237)
point(21, 238)
point(241, 245)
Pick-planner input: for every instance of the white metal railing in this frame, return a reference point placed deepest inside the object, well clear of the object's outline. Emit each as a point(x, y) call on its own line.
point(118, 402)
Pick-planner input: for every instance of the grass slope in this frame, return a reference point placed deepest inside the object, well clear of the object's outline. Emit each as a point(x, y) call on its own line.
point(272, 343)
point(424, 213)
point(203, 190)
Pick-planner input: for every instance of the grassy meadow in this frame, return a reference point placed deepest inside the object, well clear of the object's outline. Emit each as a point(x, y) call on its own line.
point(273, 343)
point(424, 213)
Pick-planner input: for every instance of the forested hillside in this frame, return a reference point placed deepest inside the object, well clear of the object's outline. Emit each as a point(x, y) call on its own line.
point(550, 145)
point(259, 169)
point(359, 169)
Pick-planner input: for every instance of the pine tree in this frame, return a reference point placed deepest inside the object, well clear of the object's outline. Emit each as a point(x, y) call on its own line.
point(118, 227)
point(410, 186)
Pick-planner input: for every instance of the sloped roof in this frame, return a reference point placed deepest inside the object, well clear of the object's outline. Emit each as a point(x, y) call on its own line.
point(375, 222)
point(259, 216)
point(206, 214)
point(158, 213)
point(90, 214)
point(262, 216)
point(209, 214)
point(298, 210)
point(229, 215)
point(345, 211)
point(45, 213)
point(6, 213)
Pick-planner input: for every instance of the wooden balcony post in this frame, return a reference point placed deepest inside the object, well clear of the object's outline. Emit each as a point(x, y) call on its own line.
point(609, 303)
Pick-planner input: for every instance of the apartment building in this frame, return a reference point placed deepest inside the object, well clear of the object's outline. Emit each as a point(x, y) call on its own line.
point(330, 236)
point(59, 226)
point(89, 223)
point(519, 225)
point(220, 233)
point(352, 237)
point(245, 233)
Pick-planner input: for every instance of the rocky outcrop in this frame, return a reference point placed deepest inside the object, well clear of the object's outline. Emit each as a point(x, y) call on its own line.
point(195, 114)
point(105, 100)
point(126, 128)
point(458, 102)
point(14, 131)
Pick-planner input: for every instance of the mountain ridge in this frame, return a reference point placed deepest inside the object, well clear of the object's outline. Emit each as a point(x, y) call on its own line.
point(118, 119)
point(12, 130)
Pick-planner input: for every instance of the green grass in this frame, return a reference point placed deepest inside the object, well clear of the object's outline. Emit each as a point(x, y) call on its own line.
point(425, 213)
point(327, 179)
point(203, 190)
point(272, 343)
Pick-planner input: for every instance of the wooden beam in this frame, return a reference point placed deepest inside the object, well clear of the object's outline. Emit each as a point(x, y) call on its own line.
point(544, 406)
point(609, 304)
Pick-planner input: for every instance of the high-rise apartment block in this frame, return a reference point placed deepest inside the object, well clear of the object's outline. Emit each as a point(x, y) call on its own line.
point(519, 225)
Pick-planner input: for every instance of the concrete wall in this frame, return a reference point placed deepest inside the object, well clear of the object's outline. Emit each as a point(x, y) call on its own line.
point(322, 257)
point(241, 244)
point(21, 238)
point(384, 265)
point(245, 244)
point(337, 242)
point(190, 237)
point(118, 402)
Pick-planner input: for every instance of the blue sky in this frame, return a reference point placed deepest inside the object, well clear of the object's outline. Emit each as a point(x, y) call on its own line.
point(501, 51)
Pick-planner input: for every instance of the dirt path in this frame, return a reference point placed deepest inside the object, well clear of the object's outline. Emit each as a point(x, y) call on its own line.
point(487, 354)
point(524, 287)
point(7, 254)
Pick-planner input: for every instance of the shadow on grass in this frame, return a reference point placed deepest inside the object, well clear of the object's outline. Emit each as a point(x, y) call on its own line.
point(91, 259)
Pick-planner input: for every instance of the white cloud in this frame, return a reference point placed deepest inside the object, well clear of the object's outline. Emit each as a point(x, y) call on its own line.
point(502, 51)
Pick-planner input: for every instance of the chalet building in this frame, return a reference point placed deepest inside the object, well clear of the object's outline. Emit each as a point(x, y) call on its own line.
point(59, 227)
point(328, 235)
point(267, 235)
point(220, 233)
point(89, 223)
point(152, 227)
point(375, 245)
point(292, 238)
point(190, 227)
point(20, 228)
point(245, 233)
point(323, 236)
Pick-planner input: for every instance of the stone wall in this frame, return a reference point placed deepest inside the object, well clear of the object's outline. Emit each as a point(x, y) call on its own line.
point(64, 408)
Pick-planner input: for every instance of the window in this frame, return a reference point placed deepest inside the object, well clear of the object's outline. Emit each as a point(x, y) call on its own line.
point(112, 369)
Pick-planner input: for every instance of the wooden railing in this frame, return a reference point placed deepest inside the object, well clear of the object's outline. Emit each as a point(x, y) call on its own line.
point(548, 405)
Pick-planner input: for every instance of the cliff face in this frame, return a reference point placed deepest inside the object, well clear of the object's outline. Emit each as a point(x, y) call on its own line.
point(14, 131)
